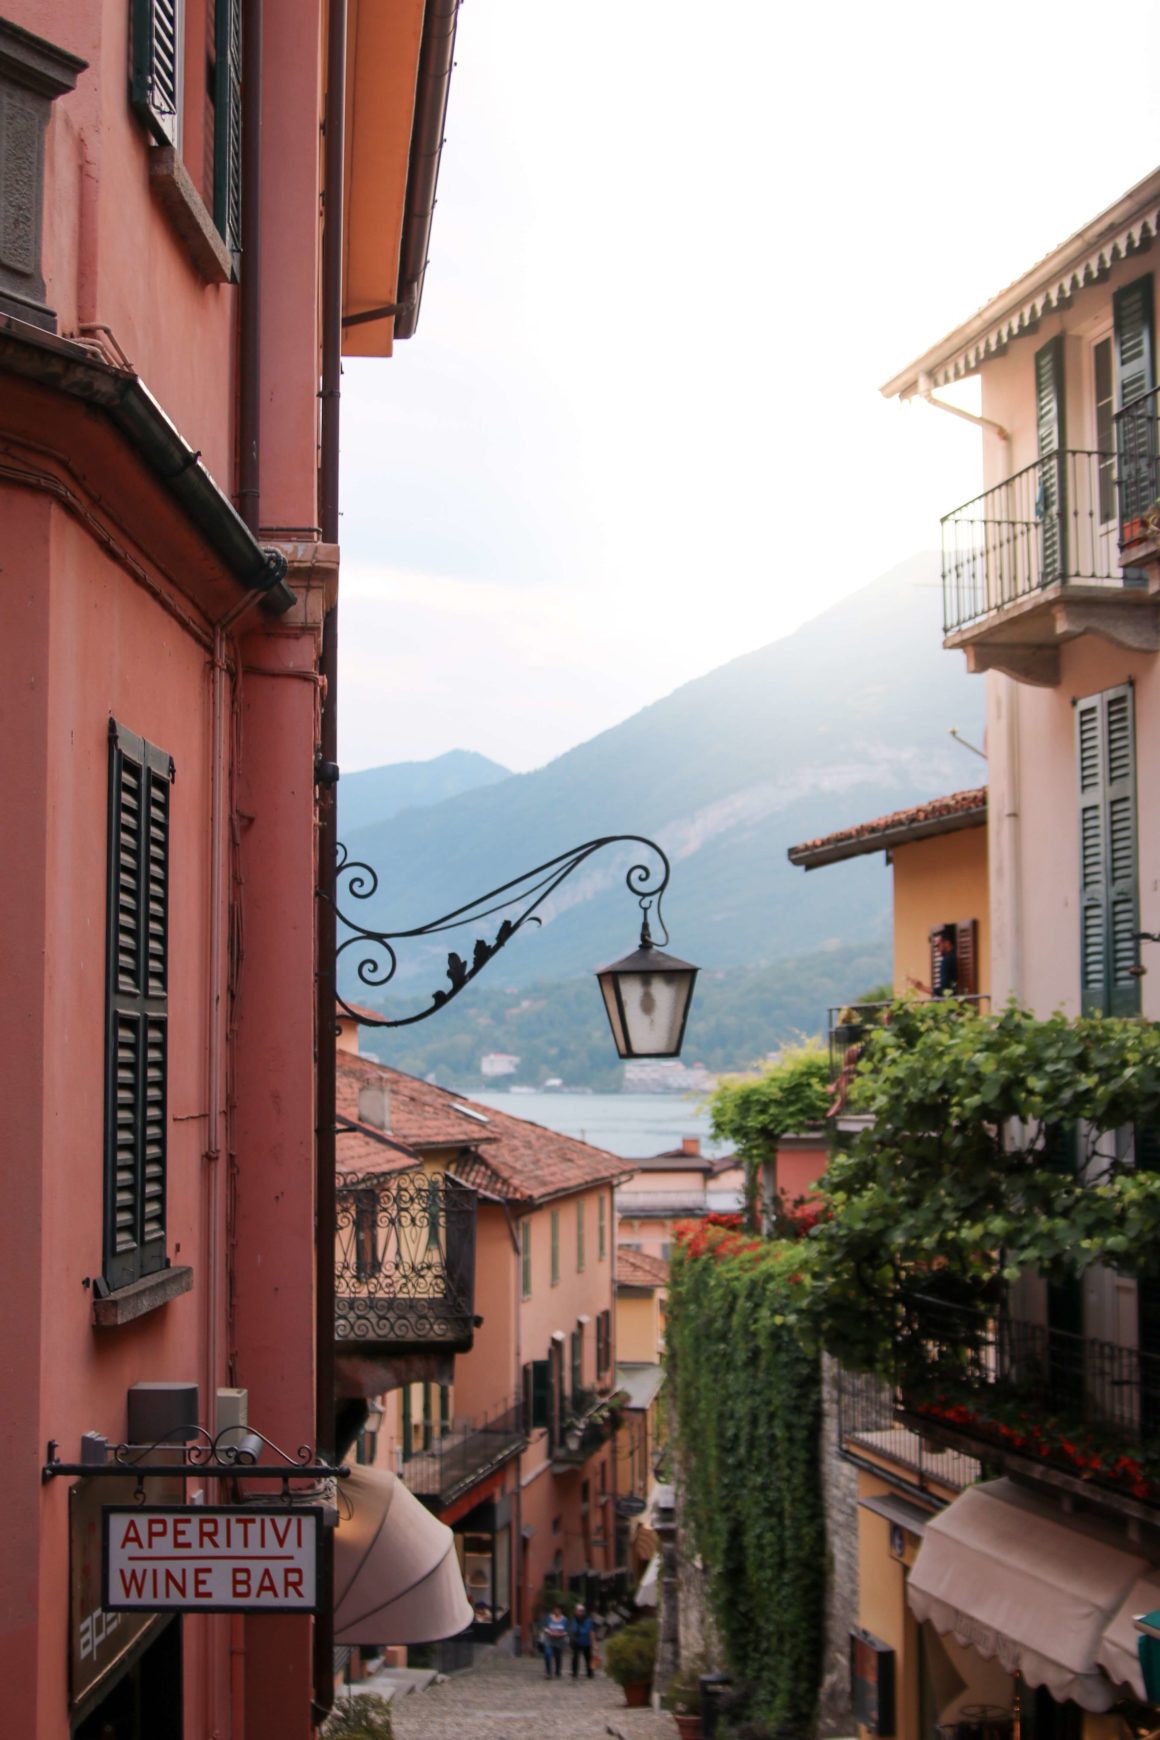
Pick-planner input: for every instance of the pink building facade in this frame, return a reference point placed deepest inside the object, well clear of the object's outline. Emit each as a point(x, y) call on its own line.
point(169, 301)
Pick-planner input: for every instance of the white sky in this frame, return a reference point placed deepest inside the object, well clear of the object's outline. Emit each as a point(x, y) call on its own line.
point(677, 249)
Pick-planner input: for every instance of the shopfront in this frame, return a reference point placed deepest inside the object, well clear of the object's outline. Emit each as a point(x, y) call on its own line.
point(483, 1544)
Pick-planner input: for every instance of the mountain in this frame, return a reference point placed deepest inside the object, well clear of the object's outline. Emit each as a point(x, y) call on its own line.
point(378, 794)
point(843, 720)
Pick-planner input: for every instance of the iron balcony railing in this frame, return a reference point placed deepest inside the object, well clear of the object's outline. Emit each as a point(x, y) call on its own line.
point(1056, 520)
point(466, 1453)
point(850, 1025)
point(1088, 1407)
point(1138, 480)
point(869, 1427)
point(405, 1262)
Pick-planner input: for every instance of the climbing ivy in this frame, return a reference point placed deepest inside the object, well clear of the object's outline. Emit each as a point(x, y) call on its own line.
point(748, 1414)
point(754, 1112)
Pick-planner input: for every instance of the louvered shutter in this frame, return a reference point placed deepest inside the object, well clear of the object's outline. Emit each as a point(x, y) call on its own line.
point(1135, 376)
point(540, 1393)
point(967, 956)
point(136, 1037)
point(227, 167)
point(155, 82)
point(1051, 503)
point(1109, 896)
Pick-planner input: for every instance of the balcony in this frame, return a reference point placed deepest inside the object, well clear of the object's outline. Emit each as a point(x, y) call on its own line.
point(466, 1453)
point(1138, 441)
point(1037, 561)
point(404, 1264)
point(590, 1421)
point(870, 1432)
point(1081, 1412)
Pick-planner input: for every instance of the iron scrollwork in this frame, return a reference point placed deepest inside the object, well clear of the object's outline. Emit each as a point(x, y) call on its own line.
point(526, 892)
point(405, 1261)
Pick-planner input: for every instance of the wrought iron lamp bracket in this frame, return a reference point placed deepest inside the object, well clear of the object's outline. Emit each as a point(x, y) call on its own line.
point(526, 894)
point(194, 1451)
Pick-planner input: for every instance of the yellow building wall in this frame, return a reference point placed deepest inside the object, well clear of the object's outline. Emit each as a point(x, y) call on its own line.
point(939, 881)
point(638, 1328)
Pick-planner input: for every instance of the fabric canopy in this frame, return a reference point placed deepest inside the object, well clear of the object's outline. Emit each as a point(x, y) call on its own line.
point(1119, 1651)
point(1009, 1574)
point(396, 1574)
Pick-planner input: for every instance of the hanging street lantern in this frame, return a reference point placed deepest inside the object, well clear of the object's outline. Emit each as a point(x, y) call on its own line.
point(647, 996)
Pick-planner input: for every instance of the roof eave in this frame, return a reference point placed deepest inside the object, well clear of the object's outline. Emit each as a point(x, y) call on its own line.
point(888, 839)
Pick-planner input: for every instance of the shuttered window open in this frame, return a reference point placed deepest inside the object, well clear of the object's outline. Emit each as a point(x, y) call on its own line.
point(1135, 376)
point(155, 82)
point(1109, 891)
point(136, 1008)
point(227, 133)
point(1050, 504)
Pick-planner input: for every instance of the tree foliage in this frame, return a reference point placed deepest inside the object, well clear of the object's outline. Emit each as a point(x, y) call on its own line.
point(999, 1144)
point(748, 1410)
point(754, 1112)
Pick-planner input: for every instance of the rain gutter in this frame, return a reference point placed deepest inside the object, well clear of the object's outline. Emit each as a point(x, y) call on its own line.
point(436, 59)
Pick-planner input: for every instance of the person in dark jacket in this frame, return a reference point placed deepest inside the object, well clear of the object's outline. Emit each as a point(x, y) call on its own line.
point(580, 1633)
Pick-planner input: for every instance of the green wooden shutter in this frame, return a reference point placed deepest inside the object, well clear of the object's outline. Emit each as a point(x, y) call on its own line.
point(577, 1352)
point(1109, 891)
point(967, 956)
point(555, 1225)
point(227, 139)
point(1135, 375)
point(136, 1007)
point(155, 79)
point(580, 1235)
point(1051, 503)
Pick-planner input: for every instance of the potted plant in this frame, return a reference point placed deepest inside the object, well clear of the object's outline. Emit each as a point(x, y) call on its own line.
point(629, 1655)
point(683, 1699)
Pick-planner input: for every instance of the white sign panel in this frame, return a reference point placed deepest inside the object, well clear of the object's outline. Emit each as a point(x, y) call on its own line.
point(211, 1559)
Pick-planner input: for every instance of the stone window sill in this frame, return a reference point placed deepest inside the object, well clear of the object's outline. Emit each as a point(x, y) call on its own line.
point(189, 215)
point(141, 1297)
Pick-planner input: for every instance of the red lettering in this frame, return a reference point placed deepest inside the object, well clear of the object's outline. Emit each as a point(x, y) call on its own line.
point(282, 1535)
point(293, 1582)
point(132, 1534)
point(181, 1531)
point(175, 1583)
point(267, 1585)
point(132, 1584)
point(202, 1589)
point(245, 1524)
point(207, 1531)
point(156, 1528)
point(241, 1583)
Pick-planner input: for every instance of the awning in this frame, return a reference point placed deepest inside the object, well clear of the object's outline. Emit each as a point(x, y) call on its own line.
point(646, 1594)
point(396, 1574)
point(1009, 1574)
point(1119, 1653)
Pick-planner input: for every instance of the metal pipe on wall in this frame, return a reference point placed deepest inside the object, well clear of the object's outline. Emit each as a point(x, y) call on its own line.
point(325, 926)
point(250, 390)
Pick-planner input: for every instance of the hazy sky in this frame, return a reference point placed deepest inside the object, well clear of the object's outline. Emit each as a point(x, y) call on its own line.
point(677, 249)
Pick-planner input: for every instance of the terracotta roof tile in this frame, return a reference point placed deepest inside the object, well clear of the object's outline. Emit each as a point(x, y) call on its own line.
point(505, 1156)
point(942, 815)
point(639, 1269)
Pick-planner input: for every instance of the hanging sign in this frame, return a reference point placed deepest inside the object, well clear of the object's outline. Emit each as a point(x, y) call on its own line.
point(211, 1559)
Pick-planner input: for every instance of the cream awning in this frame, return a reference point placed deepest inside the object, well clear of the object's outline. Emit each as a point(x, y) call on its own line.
point(396, 1574)
point(1010, 1575)
point(1119, 1651)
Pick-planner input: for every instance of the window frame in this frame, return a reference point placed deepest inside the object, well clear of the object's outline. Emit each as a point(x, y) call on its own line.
point(555, 1246)
point(526, 1257)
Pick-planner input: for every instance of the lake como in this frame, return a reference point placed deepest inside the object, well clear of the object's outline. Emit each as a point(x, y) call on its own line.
point(631, 1125)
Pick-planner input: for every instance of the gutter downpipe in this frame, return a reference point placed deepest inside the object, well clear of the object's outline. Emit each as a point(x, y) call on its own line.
point(926, 393)
point(326, 927)
point(436, 59)
point(250, 394)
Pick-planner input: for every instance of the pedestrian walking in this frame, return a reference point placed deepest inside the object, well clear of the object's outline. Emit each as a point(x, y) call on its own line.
point(580, 1632)
point(555, 1635)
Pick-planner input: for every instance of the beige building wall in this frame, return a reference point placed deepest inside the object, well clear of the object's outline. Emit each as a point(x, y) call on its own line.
point(939, 881)
point(639, 1325)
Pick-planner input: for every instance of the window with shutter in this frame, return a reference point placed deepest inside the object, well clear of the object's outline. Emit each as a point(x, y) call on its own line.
point(526, 1259)
point(1109, 893)
point(580, 1235)
point(1050, 504)
point(967, 956)
point(555, 1247)
point(577, 1373)
point(156, 67)
point(537, 1393)
point(136, 1008)
point(1135, 376)
point(227, 136)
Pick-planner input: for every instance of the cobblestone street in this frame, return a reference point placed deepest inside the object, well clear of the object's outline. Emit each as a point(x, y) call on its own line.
point(506, 1698)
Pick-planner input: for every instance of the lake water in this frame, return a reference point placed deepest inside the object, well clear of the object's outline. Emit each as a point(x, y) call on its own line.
point(631, 1125)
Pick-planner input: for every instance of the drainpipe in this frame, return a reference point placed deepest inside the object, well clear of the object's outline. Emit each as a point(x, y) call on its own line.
point(926, 392)
point(1012, 855)
point(325, 926)
point(250, 396)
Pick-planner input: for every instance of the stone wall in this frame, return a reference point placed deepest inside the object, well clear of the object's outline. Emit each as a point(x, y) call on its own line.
point(840, 1492)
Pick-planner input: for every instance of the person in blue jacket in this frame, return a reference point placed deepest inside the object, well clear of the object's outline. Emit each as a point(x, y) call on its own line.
point(580, 1633)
